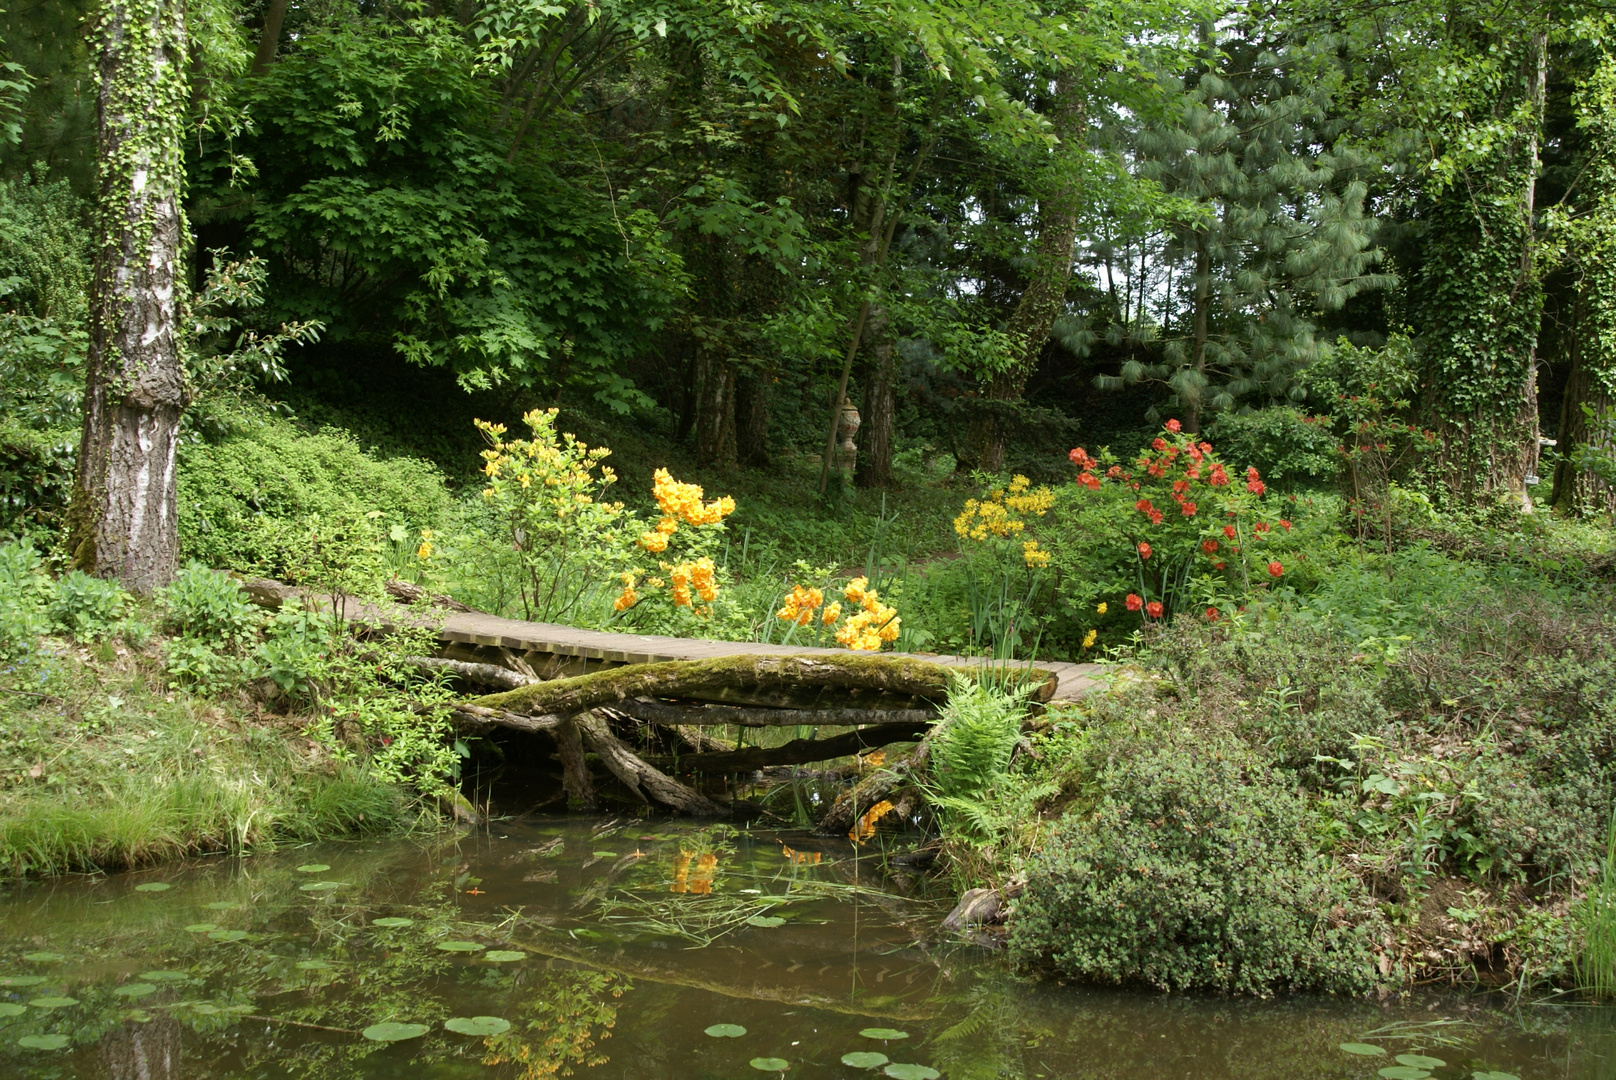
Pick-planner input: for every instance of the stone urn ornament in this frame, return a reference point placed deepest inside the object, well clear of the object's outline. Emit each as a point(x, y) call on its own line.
point(846, 428)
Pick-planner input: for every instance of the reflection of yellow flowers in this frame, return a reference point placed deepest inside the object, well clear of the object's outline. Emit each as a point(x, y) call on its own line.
point(1033, 554)
point(864, 828)
point(1088, 639)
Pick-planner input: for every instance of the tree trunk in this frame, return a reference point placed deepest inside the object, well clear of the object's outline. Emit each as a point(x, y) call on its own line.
point(122, 520)
point(714, 424)
point(1045, 295)
point(1190, 402)
point(879, 405)
point(752, 420)
point(1575, 491)
point(269, 38)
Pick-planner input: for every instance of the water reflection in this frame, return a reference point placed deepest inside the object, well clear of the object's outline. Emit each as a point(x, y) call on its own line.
point(609, 949)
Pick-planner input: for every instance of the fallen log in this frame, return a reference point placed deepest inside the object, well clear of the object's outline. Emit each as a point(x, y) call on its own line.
point(662, 712)
point(799, 751)
point(406, 592)
point(474, 719)
point(849, 805)
point(643, 779)
point(481, 674)
point(791, 681)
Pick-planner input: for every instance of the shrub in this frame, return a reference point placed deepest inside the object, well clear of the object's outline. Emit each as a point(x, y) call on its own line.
point(1192, 871)
point(1289, 447)
point(209, 604)
point(245, 498)
point(86, 607)
point(25, 592)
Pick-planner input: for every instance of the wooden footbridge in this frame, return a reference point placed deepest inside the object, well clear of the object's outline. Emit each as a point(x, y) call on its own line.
point(602, 691)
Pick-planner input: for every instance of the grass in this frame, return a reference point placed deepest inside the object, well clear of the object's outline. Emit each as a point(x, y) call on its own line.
point(104, 768)
point(1596, 963)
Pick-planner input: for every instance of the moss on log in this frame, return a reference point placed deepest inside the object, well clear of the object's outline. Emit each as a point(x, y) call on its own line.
point(797, 751)
point(791, 681)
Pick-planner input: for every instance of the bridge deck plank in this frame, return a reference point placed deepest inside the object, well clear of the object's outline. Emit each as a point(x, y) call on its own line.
point(477, 628)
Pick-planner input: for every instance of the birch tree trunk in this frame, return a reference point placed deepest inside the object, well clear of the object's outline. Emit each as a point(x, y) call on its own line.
point(122, 520)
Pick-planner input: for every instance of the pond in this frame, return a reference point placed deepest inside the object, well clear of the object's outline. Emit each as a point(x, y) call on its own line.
point(643, 949)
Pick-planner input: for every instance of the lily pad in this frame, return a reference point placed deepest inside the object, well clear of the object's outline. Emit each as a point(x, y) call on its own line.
point(164, 976)
point(770, 1064)
point(1493, 1076)
point(900, 1070)
point(11, 1008)
point(460, 946)
point(201, 927)
point(504, 956)
point(394, 1032)
point(477, 1025)
point(320, 886)
point(135, 990)
point(864, 1059)
point(43, 957)
point(1420, 1061)
point(222, 905)
point(227, 935)
point(313, 965)
point(53, 1002)
point(392, 922)
point(43, 1042)
point(765, 920)
point(313, 868)
point(887, 1034)
point(605, 854)
point(1404, 1072)
point(726, 1031)
point(154, 886)
point(19, 981)
point(1364, 1049)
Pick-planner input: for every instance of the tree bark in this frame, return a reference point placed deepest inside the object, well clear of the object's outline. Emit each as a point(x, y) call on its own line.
point(122, 520)
point(801, 751)
point(574, 772)
point(269, 38)
point(1200, 331)
point(752, 420)
point(639, 777)
point(661, 712)
point(1044, 298)
point(714, 425)
point(877, 414)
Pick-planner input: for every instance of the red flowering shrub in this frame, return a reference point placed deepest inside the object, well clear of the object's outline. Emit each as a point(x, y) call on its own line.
point(1188, 532)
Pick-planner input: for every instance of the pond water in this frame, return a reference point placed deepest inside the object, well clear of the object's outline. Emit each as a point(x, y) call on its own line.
point(641, 949)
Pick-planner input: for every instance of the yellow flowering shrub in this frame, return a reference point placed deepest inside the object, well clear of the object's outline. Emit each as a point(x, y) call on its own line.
point(576, 547)
point(870, 623)
point(1004, 567)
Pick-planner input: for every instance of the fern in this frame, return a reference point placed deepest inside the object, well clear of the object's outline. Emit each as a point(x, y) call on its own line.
point(971, 751)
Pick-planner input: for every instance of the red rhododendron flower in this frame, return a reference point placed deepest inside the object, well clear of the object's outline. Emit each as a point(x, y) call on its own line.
point(1133, 603)
point(1180, 486)
point(1262, 526)
point(1274, 569)
point(1143, 506)
point(1188, 508)
point(1155, 517)
point(1158, 443)
point(1209, 546)
point(1219, 565)
point(1192, 473)
point(1114, 471)
point(1256, 487)
point(1251, 472)
point(1174, 426)
point(1154, 609)
point(1228, 531)
point(1089, 480)
point(1219, 477)
point(1283, 524)
point(1144, 550)
point(1080, 458)
point(1205, 447)
point(1211, 614)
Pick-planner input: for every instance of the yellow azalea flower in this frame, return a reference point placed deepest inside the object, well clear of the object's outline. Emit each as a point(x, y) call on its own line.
point(831, 613)
point(1088, 638)
point(424, 551)
point(1100, 608)
point(654, 541)
point(855, 589)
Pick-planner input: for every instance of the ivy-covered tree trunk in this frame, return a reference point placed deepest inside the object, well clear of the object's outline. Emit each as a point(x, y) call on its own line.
point(1481, 305)
point(1044, 298)
point(122, 520)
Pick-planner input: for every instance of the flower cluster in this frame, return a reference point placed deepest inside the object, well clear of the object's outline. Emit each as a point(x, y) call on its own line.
point(697, 575)
point(1002, 513)
point(873, 622)
point(680, 500)
point(870, 624)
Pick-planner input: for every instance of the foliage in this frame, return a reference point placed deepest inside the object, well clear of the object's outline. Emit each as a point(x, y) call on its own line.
point(87, 608)
point(869, 622)
point(247, 496)
point(1596, 919)
point(209, 604)
point(1004, 570)
point(969, 779)
point(25, 594)
point(1191, 869)
point(1291, 449)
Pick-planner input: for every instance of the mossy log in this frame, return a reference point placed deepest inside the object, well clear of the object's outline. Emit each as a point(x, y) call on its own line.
point(801, 682)
point(798, 751)
point(669, 715)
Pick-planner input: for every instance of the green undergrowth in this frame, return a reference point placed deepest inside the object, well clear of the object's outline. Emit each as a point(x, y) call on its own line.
point(1274, 802)
point(103, 768)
